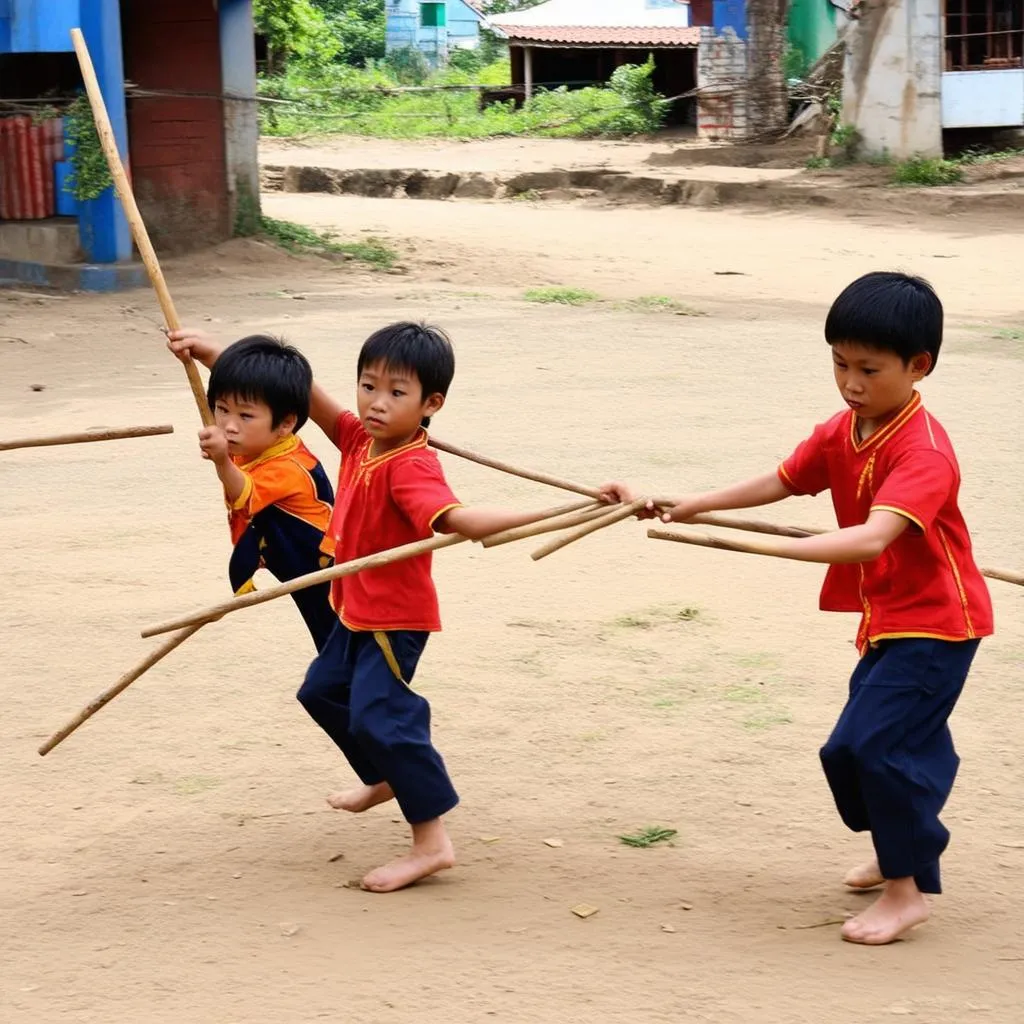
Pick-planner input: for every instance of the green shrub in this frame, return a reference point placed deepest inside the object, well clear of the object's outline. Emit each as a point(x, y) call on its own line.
point(927, 171)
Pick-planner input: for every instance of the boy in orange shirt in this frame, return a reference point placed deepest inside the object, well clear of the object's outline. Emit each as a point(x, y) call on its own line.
point(391, 491)
point(278, 496)
point(902, 558)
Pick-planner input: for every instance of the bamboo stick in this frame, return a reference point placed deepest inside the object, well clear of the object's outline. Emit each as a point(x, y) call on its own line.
point(591, 510)
point(752, 547)
point(114, 434)
point(122, 684)
point(131, 211)
point(615, 516)
point(707, 519)
point(505, 467)
point(312, 579)
point(756, 548)
point(1005, 576)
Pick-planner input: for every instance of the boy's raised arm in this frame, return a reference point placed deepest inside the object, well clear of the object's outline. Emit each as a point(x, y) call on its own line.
point(324, 410)
point(190, 341)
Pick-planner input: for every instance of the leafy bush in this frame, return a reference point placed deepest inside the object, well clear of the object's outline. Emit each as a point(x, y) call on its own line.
point(645, 110)
point(340, 98)
point(927, 171)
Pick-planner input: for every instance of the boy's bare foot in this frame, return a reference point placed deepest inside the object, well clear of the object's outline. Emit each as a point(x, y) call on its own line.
point(432, 851)
point(362, 798)
point(865, 876)
point(900, 908)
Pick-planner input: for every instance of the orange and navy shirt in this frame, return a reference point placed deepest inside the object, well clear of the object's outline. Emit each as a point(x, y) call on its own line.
point(384, 502)
point(926, 583)
point(278, 522)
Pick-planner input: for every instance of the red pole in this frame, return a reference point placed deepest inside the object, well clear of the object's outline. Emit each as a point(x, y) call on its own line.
point(37, 147)
point(23, 179)
point(5, 206)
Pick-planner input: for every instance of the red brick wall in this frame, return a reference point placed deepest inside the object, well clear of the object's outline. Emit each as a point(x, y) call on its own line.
point(176, 143)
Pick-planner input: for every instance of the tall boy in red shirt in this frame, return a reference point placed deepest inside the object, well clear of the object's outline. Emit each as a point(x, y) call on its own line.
point(902, 559)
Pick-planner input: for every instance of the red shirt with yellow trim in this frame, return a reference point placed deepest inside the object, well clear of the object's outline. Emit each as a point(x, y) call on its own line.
point(926, 583)
point(286, 475)
point(381, 503)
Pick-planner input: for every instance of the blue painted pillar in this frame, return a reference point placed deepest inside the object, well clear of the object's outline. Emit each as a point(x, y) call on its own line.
point(102, 223)
point(730, 14)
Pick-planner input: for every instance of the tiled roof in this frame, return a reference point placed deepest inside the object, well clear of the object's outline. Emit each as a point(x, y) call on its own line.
point(578, 35)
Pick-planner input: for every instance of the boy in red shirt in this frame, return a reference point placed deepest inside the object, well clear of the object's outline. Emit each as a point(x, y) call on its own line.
point(391, 491)
point(279, 498)
point(902, 559)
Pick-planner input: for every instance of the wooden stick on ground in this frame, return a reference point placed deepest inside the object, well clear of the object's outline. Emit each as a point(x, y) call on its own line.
point(753, 547)
point(114, 434)
point(122, 684)
point(131, 211)
point(617, 514)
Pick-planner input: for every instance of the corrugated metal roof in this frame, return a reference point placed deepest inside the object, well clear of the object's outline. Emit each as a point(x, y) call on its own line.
point(575, 35)
point(598, 14)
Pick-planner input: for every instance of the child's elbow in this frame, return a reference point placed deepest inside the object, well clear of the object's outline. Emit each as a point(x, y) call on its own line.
point(873, 547)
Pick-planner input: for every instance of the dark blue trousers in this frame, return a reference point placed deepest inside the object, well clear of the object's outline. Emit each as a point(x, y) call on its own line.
point(378, 722)
point(890, 760)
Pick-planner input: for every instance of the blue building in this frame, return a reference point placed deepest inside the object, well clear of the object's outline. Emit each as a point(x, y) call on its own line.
point(187, 128)
point(435, 28)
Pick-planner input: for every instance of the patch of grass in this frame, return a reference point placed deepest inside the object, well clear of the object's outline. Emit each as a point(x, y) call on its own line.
point(760, 721)
point(661, 304)
point(633, 622)
point(647, 837)
point(1010, 334)
point(561, 296)
point(927, 172)
point(297, 238)
point(193, 784)
point(655, 616)
point(818, 163)
point(529, 195)
point(744, 694)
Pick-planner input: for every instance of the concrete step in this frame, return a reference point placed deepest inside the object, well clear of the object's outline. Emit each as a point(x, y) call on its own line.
point(52, 241)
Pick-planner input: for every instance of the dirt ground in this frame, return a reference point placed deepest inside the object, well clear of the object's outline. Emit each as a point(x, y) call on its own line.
point(175, 861)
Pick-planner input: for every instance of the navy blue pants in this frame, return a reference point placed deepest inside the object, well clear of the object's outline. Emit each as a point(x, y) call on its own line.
point(378, 722)
point(890, 760)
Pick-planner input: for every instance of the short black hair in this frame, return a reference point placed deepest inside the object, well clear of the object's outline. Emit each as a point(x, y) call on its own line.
point(262, 368)
point(890, 312)
point(416, 347)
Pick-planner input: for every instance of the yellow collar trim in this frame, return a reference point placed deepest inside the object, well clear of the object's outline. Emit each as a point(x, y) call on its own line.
point(285, 446)
point(418, 441)
point(887, 430)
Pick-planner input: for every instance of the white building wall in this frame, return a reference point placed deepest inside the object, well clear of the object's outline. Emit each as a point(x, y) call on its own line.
point(892, 78)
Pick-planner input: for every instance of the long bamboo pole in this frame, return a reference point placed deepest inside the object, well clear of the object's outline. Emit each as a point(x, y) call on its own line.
point(131, 211)
point(84, 436)
point(122, 684)
point(753, 547)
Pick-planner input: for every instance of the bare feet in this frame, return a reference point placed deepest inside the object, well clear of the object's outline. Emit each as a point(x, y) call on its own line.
point(865, 876)
point(362, 798)
point(432, 851)
point(900, 908)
